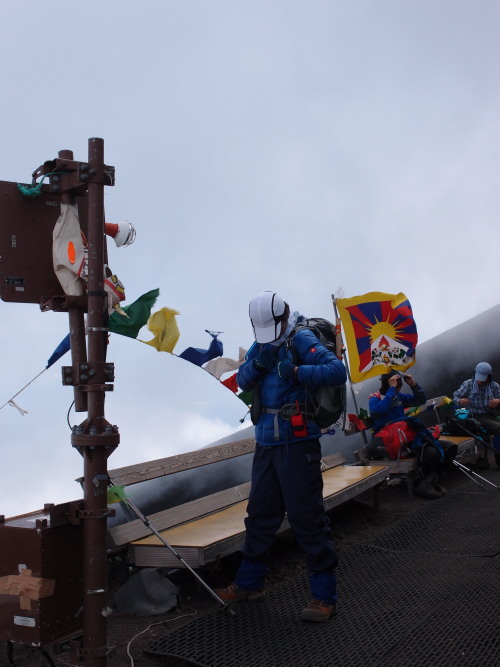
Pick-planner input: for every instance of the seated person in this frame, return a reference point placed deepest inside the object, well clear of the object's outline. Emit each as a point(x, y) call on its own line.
point(388, 406)
point(481, 396)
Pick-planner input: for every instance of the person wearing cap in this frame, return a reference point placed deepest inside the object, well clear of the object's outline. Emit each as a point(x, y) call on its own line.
point(388, 406)
point(286, 472)
point(481, 396)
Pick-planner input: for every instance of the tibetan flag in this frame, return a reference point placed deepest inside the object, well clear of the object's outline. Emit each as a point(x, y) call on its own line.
point(198, 356)
point(164, 327)
point(380, 333)
point(217, 367)
point(129, 320)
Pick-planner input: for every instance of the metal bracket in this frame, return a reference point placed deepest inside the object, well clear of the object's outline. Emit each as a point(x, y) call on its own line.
point(102, 513)
point(73, 176)
point(95, 439)
point(89, 377)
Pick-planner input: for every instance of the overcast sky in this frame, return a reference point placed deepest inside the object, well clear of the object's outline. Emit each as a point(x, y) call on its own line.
point(295, 146)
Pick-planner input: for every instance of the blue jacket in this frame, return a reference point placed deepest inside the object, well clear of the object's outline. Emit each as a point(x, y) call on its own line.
point(317, 366)
point(391, 407)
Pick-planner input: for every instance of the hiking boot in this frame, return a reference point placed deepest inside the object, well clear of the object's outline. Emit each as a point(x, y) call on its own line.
point(426, 490)
point(318, 611)
point(482, 463)
point(434, 478)
point(440, 489)
point(232, 594)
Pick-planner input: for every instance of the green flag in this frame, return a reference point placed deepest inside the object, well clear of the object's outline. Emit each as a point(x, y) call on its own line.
point(137, 314)
point(116, 494)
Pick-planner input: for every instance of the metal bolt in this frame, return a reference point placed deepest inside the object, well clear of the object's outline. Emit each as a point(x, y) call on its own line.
point(55, 188)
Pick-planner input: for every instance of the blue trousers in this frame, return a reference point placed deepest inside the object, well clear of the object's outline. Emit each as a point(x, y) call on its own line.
point(492, 425)
point(287, 478)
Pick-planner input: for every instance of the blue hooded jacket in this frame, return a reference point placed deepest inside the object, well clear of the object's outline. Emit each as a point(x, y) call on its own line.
point(317, 366)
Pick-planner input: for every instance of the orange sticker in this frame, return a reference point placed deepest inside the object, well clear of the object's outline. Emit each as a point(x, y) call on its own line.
point(71, 252)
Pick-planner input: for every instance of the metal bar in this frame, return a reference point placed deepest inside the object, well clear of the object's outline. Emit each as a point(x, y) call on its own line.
point(149, 525)
point(363, 434)
point(95, 458)
point(469, 473)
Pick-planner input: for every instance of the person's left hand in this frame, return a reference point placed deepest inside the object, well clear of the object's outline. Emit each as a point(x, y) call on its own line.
point(495, 402)
point(286, 370)
point(409, 380)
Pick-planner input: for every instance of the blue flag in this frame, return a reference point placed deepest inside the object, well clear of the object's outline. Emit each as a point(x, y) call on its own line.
point(198, 356)
point(63, 347)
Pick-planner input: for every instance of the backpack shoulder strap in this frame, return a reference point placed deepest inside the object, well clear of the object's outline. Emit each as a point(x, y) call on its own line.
point(290, 347)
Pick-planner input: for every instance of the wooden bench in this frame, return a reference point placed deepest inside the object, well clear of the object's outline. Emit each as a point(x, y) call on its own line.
point(204, 530)
point(406, 468)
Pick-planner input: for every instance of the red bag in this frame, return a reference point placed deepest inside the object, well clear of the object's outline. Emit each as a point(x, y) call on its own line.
point(395, 437)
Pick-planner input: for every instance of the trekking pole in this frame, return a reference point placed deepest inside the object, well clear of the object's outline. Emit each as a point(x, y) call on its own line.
point(121, 496)
point(473, 435)
point(469, 473)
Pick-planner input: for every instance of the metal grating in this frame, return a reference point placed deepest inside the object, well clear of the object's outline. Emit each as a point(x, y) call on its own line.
point(400, 604)
point(458, 524)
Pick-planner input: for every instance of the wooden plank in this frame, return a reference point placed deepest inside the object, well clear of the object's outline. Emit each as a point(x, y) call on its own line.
point(141, 472)
point(221, 533)
point(134, 530)
point(332, 460)
point(174, 516)
point(456, 439)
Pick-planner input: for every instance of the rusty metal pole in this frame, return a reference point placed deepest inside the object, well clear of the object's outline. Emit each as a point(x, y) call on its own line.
point(76, 316)
point(97, 432)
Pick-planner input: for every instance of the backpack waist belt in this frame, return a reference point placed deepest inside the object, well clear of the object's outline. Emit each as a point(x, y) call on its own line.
point(285, 412)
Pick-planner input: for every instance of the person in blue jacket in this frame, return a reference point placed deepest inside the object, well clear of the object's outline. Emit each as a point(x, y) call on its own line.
point(286, 472)
point(388, 405)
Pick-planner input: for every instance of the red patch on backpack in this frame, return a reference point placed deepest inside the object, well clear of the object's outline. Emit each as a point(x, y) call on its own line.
point(313, 350)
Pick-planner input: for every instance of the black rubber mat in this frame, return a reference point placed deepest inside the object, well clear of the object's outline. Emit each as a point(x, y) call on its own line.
point(424, 593)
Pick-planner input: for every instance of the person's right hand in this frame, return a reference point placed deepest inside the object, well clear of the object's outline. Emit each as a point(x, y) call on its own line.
point(393, 381)
point(463, 401)
point(266, 359)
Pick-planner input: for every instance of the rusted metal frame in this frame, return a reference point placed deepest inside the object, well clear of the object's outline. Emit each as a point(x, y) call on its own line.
point(95, 428)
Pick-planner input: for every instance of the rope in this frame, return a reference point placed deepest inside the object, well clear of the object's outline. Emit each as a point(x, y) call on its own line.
point(11, 400)
point(33, 191)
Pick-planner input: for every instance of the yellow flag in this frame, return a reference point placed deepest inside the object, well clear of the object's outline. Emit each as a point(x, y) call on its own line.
point(164, 327)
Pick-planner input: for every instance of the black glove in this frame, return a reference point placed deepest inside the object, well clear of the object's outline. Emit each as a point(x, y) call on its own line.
point(286, 370)
point(265, 360)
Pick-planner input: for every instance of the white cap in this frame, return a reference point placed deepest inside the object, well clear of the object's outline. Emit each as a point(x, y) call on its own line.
point(266, 314)
point(482, 371)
